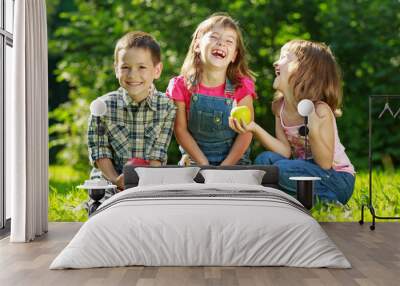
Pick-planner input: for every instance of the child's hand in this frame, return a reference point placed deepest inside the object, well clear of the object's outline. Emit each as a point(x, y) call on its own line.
point(185, 160)
point(241, 127)
point(313, 122)
point(319, 117)
point(120, 183)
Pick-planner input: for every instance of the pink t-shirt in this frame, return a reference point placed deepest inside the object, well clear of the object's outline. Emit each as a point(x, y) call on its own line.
point(341, 162)
point(178, 91)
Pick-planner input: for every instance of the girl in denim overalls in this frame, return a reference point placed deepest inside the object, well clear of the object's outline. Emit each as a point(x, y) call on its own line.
point(306, 70)
point(214, 78)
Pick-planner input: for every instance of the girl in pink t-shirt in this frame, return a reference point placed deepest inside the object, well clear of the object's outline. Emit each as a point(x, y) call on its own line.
point(306, 70)
point(214, 78)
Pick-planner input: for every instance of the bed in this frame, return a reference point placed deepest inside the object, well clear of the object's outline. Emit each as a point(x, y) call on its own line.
point(201, 224)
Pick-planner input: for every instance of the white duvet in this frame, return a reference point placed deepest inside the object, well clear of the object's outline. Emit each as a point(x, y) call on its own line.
point(269, 229)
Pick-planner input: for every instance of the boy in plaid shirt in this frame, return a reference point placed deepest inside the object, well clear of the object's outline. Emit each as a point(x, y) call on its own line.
point(139, 119)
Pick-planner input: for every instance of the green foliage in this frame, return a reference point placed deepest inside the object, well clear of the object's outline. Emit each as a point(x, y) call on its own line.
point(364, 35)
point(66, 202)
point(67, 207)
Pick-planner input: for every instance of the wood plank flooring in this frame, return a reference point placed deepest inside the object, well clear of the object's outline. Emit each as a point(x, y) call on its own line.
point(374, 255)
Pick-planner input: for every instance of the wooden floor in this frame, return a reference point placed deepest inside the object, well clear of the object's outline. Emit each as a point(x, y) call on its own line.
point(374, 255)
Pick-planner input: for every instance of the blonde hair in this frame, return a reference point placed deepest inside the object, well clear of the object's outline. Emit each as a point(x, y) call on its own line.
point(317, 76)
point(138, 39)
point(192, 67)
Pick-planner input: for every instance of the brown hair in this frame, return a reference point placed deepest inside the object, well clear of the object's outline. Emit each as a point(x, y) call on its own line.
point(192, 68)
point(317, 76)
point(138, 39)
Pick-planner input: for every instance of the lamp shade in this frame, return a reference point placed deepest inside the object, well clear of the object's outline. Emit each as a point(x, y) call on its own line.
point(98, 107)
point(305, 107)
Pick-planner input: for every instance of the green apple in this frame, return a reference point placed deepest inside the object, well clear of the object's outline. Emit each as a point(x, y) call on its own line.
point(241, 113)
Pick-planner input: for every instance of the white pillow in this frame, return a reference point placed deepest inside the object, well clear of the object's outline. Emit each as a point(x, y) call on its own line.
point(166, 176)
point(249, 177)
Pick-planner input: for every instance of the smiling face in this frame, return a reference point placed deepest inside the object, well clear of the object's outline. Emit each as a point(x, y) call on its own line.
point(284, 66)
point(136, 72)
point(217, 47)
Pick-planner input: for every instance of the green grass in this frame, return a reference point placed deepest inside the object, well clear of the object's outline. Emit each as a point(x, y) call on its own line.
point(66, 202)
point(385, 199)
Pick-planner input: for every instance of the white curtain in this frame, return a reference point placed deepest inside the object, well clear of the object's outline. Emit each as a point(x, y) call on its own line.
point(27, 123)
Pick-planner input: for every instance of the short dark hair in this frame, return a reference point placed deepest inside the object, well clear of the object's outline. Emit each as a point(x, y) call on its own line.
point(139, 39)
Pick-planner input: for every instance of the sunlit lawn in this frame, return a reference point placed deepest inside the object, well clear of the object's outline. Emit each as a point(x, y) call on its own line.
point(66, 201)
point(386, 199)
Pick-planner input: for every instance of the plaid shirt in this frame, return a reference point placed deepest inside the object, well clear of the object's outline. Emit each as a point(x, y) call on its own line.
point(132, 129)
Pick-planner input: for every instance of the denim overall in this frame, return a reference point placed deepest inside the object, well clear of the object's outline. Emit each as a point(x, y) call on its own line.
point(209, 125)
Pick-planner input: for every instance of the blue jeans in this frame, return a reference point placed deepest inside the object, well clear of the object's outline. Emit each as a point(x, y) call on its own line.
point(333, 186)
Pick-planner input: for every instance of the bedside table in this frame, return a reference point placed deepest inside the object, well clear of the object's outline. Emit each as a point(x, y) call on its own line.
point(305, 190)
